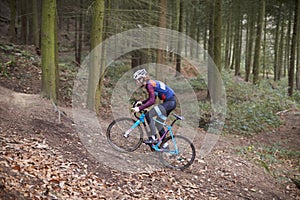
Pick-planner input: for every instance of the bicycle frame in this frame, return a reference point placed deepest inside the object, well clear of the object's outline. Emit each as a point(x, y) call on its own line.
point(141, 119)
point(156, 147)
point(137, 123)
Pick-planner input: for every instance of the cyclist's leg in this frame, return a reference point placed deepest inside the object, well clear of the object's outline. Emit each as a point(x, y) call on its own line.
point(169, 106)
point(162, 111)
point(149, 118)
point(166, 108)
point(161, 117)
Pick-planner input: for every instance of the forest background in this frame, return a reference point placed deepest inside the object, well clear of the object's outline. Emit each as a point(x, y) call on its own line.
point(254, 43)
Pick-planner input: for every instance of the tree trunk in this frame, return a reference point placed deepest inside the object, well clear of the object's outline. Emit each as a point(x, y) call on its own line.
point(35, 24)
point(49, 50)
point(12, 24)
point(205, 41)
point(298, 57)
point(293, 49)
point(298, 66)
point(287, 46)
point(175, 7)
point(265, 69)
point(179, 43)
point(228, 39)
point(298, 61)
point(250, 33)
point(24, 24)
point(211, 47)
point(237, 42)
point(211, 31)
point(162, 24)
point(276, 44)
point(93, 100)
point(79, 35)
point(280, 50)
point(198, 42)
point(218, 34)
point(193, 30)
point(214, 71)
point(231, 41)
point(187, 28)
point(260, 22)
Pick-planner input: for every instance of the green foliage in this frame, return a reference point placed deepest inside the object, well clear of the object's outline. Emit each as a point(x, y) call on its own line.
point(67, 73)
point(296, 97)
point(5, 68)
point(7, 47)
point(114, 71)
point(198, 83)
point(251, 109)
point(15, 50)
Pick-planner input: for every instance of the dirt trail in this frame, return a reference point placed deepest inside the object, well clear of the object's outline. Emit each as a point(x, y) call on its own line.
point(44, 158)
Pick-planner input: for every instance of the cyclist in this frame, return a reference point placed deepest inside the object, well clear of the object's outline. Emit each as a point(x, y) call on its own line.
point(155, 89)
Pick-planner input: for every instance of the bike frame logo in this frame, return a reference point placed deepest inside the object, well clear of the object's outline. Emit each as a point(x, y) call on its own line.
point(112, 53)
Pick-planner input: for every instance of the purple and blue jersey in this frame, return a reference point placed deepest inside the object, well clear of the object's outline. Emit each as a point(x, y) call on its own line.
point(157, 89)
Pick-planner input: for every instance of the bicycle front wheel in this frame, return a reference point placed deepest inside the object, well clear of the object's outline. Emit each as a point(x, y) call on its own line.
point(178, 154)
point(115, 135)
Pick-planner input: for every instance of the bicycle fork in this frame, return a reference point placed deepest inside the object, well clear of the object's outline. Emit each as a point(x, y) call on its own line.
point(137, 123)
point(126, 134)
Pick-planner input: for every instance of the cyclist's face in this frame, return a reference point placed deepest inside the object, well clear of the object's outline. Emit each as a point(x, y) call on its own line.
point(140, 82)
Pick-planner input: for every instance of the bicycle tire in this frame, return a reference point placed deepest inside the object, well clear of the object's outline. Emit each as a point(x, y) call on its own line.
point(115, 135)
point(183, 159)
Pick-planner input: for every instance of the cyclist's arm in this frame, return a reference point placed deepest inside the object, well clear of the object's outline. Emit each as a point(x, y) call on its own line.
point(151, 98)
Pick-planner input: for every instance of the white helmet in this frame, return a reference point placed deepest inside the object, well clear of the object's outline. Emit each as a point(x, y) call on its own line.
point(140, 74)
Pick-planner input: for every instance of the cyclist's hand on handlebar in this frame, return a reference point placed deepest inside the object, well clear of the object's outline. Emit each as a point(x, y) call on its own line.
point(137, 103)
point(135, 109)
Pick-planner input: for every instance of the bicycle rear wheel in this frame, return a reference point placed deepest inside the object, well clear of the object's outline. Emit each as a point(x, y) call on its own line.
point(115, 135)
point(181, 159)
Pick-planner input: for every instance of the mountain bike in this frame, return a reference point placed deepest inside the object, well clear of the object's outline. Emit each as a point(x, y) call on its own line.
point(125, 134)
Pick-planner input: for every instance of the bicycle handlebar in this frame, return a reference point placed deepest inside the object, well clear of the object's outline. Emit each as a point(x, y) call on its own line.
point(141, 112)
point(145, 111)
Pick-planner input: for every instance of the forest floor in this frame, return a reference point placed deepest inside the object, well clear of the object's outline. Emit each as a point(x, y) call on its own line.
point(42, 156)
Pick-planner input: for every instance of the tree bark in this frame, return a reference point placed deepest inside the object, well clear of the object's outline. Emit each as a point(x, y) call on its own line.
point(280, 50)
point(218, 34)
point(179, 43)
point(276, 44)
point(35, 24)
point(228, 39)
point(287, 46)
point(250, 33)
point(49, 50)
point(79, 35)
point(260, 22)
point(93, 100)
point(237, 41)
point(265, 69)
point(298, 58)
point(24, 24)
point(211, 30)
point(293, 49)
point(12, 24)
point(162, 24)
